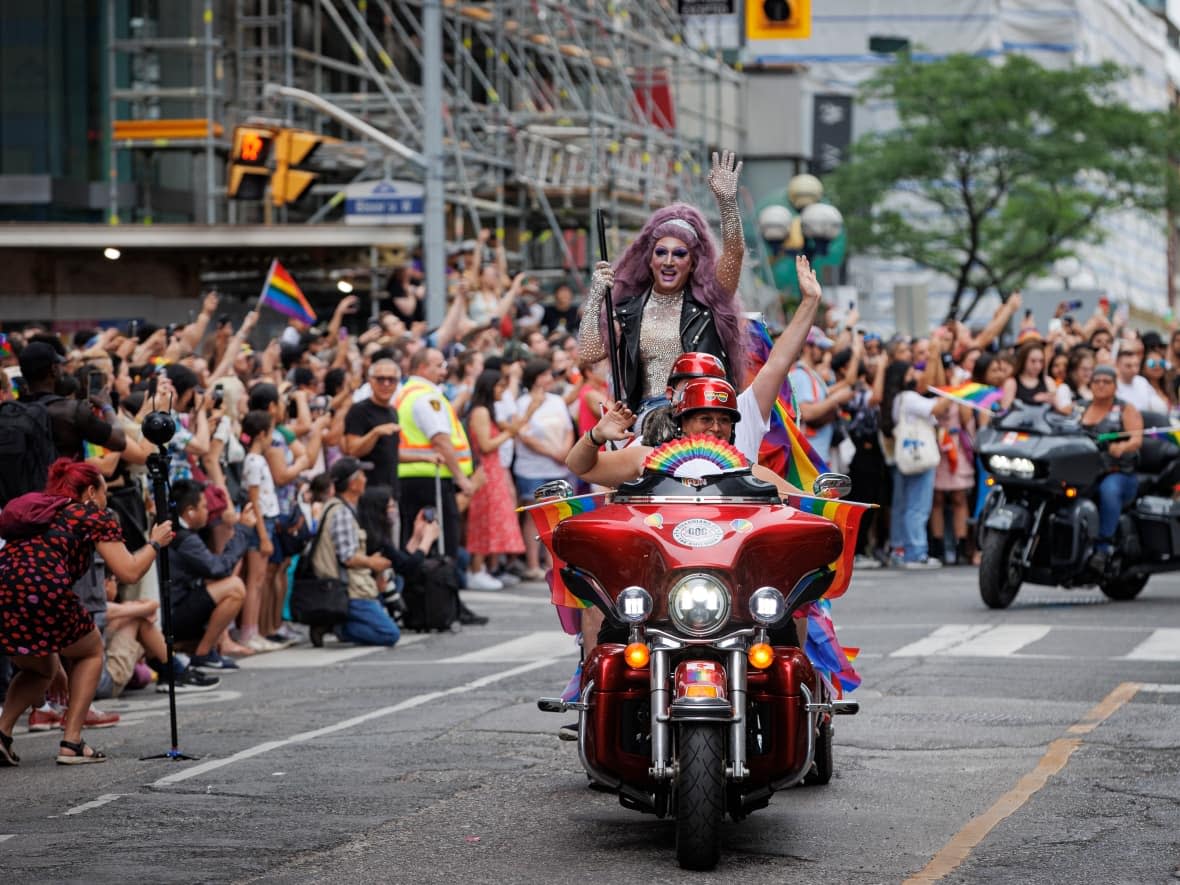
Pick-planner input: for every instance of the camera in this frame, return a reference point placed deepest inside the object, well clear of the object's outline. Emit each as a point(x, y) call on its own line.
point(217, 396)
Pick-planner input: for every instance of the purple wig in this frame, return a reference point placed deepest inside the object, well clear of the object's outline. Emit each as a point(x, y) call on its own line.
point(633, 274)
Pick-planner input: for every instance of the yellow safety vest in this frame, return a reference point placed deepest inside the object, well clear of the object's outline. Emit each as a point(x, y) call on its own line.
point(413, 440)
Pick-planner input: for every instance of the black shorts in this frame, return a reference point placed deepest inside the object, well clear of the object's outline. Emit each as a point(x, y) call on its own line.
point(190, 614)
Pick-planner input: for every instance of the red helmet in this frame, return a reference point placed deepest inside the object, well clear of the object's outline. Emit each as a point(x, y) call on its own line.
point(706, 393)
point(696, 365)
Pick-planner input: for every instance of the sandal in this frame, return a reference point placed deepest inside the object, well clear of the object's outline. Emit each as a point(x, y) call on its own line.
point(80, 758)
point(8, 758)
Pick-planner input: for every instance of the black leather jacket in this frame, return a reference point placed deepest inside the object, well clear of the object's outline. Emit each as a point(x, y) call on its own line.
point(698, 332)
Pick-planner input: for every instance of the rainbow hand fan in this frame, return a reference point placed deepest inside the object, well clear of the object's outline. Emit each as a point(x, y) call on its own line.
point(693, 457)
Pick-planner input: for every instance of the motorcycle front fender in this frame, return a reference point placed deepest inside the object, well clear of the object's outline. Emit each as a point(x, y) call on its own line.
point(1009, 518)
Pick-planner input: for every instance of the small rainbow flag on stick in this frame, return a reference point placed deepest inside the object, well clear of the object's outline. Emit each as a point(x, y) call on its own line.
point(546, 516)
point(1172, 433)
point(845, 514)
point(281, 292)
point(972, 393)
point(784, 449)
point(5, 348)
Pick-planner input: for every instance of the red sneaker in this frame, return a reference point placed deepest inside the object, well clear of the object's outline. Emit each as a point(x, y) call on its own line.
point(44, 720)
point(96, 718)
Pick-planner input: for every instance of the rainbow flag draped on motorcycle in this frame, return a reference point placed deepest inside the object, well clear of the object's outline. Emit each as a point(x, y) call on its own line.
point(546, 516)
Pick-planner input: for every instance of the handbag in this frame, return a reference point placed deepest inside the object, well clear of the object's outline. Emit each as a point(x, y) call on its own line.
point(316, 601)
point(915, 445)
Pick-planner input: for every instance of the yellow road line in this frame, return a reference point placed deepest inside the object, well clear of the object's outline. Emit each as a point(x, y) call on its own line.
point(959, 848)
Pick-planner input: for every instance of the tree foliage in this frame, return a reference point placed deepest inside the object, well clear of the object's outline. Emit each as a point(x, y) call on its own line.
point(996, 170)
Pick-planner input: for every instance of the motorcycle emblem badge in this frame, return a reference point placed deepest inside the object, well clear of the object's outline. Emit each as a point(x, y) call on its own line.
point(698, 533)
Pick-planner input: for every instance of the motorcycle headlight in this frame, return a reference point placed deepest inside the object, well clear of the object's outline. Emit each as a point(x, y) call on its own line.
point(767, 605)
point(1024, 468)
point(633, 605)
point(699, 604)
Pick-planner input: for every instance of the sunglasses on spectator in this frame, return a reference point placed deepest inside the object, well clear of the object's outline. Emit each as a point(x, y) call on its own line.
point(1157, 363)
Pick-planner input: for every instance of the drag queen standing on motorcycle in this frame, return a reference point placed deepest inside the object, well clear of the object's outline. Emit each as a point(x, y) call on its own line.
point(1107, 414)
point(673, 294)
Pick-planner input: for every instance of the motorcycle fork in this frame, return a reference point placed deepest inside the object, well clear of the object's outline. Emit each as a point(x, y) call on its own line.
point(662, 767)
point(1034, 535)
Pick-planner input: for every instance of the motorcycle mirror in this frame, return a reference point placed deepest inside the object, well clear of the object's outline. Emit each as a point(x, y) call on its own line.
point(557, 488)
point(831, 485)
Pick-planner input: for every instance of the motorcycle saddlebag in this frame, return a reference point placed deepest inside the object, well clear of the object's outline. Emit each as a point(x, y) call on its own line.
point(1158, 520)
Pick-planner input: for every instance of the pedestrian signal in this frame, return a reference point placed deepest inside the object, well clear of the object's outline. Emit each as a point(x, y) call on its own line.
point(778, 19)
point(248, 173)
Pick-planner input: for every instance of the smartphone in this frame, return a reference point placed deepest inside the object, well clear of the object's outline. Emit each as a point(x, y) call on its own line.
point(95, 382)
point(1075, 304)
point(217, 395)
point(428, 514)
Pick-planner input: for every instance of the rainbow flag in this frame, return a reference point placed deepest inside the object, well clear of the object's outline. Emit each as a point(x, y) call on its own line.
point(845, 514)
point(982, 396)
point(90, 450)
point(826, 653)
point(546, 516)
point(5, 348)
point(282, 293)
point(784, 449)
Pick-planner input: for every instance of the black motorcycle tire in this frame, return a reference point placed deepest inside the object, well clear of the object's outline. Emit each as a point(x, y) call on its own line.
point(700, 799)
point(823, 764)
point(1124, 589)
point(999, 577)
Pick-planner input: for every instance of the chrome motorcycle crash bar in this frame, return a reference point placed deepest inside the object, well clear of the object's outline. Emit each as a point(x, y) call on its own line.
point(671, 642)
point(812, 721)
point(647, 800)
point(559, 705)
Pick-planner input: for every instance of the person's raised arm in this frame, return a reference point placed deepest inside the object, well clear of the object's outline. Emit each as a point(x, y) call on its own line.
point(234, 347)
point(605, 468)
point(129, 567)
point(785, 352)
point(591, 347)
point(999, 322)
point(348, 304)
point(723, 181)
point(192, 334)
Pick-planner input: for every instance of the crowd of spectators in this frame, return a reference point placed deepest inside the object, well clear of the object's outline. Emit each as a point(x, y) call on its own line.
point(402, 441)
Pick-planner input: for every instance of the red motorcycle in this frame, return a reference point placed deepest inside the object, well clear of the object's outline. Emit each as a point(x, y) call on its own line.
point(698, 702)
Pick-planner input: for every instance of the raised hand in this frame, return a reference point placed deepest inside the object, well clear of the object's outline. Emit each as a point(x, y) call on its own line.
point(809, 287)
point(723, 177)
point(615, 423)
point(602, 279)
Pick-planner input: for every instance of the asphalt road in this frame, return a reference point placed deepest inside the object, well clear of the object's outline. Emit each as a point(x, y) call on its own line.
point(1038, 744)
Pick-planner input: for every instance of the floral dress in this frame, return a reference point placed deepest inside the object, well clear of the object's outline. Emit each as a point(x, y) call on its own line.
point(39, 612)
point(493, 525)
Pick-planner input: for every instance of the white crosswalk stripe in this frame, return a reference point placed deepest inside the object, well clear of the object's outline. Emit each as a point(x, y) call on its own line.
point(1161, 645)
point(545, 644)
point(1015, 640)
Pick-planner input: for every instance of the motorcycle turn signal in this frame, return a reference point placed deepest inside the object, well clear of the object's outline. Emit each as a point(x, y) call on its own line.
point(637, 655)
point(761, 655)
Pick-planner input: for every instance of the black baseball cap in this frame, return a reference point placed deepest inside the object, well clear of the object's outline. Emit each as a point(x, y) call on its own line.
point(344, 469)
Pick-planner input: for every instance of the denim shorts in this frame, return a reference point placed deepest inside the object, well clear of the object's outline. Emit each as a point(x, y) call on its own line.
point(526, 486)
point(252, 540)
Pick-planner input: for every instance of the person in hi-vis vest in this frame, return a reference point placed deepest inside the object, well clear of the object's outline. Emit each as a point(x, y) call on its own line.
point(433, 439)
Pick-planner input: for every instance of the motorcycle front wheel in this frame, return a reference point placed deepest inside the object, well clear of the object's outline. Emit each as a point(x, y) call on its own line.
point(1000, 571)
point(1124, 589)
point(700, 796)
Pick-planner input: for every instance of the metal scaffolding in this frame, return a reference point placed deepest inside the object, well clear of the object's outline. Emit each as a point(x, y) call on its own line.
point(551, 109)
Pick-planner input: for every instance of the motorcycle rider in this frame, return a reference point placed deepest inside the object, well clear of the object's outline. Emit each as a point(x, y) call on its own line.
point(1106, 413)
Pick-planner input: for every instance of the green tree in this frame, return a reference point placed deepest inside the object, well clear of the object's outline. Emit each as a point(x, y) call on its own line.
point(996, 170)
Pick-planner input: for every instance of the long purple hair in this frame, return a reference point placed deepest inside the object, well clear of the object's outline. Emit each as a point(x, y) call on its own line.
point(633, 274)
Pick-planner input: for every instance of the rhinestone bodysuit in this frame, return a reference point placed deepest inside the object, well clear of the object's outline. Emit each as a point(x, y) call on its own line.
point(659, 340)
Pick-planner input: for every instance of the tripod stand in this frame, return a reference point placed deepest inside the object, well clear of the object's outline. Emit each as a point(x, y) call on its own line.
point(159, 428)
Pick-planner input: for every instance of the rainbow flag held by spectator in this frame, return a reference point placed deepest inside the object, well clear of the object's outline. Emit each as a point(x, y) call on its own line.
point(981, 396)
point(546, 516)
point(5, 348)
point(90, 450)
point(847, 516)
point(283, 294)
point(784, 449)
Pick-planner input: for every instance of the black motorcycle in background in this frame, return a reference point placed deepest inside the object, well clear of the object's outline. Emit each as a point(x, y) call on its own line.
point(1040, 521)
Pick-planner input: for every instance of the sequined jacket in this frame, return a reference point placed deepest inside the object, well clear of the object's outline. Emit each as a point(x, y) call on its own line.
point(698, 332)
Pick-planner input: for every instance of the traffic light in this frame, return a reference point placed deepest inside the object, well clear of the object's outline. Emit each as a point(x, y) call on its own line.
point(778, 19)
point(293, 148)
point(248, 172)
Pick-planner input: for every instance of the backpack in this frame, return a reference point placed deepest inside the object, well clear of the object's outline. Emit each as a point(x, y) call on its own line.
point(431, 595)
point(26, 446)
